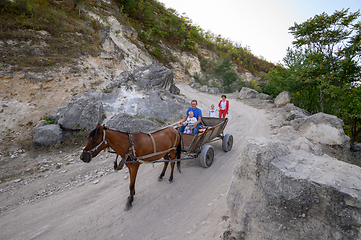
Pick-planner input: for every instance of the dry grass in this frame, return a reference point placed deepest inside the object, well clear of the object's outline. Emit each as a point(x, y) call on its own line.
point(40, 34)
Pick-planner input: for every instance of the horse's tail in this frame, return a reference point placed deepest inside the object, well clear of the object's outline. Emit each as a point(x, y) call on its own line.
point(178, 152)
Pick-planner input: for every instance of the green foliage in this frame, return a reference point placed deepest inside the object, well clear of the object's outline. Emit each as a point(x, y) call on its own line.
point(254, 84)
point(277, 82)
point(323, 67)
point(49, 120)
point(224, 74)
point(348, 106)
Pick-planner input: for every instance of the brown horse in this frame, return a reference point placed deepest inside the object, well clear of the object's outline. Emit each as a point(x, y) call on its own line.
point(135, 148)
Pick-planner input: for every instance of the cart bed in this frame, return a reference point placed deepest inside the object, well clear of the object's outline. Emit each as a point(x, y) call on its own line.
point(213, 128)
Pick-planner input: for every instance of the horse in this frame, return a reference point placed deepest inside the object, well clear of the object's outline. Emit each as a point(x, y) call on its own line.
point(135, 149)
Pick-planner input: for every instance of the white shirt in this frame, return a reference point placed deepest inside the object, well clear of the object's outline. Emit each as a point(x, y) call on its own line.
point(223, 105)
point(212, 112)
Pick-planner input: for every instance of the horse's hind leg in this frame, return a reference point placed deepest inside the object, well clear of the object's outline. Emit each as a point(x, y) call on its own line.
point(133, 170)
point(160, 178)
point(172, 157)
point(171, 173)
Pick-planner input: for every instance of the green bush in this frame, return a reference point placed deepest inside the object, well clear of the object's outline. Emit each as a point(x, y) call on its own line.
point(49, 120)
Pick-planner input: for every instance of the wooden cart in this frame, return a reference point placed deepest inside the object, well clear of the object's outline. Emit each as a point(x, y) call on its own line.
point(193, 145)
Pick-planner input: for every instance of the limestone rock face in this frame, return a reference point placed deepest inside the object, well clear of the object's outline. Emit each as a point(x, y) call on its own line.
point(187, 63)
point(120, 44)
point(247, 76)
point(286, 188)
point(322, 128)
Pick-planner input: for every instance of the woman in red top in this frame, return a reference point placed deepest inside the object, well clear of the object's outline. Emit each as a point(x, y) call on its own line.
point(223, 107)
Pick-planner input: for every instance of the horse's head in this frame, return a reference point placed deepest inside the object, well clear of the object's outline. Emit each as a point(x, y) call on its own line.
point(96, 143)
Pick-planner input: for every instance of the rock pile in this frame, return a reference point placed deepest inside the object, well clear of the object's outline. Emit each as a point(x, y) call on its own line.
point(204, 88)
point(286, 187)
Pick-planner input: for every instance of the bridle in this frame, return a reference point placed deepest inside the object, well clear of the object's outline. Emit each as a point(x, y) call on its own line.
point(97, 146)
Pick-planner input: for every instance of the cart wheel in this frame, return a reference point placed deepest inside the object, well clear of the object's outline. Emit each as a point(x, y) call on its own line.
point(207, 156)
point(227, 142)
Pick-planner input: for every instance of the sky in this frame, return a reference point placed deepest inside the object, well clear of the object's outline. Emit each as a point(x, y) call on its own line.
point(260, 25)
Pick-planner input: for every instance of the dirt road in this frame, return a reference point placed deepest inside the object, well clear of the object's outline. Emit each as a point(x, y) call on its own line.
point(192, 207)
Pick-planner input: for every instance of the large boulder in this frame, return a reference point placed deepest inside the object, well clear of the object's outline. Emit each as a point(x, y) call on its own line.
point(158, 104)
point(246, 93)
point(127, 123)
point(213, 90)
point(285, 188)
point(153, 76)
point(82, 113)
point(295, 112)
point(48, 135)
point(122, 80)
point(282, 99)
point(322, 128)
point(149, 77)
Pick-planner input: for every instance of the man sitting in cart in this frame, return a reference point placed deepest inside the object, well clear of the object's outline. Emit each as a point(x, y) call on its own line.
point(197, 114)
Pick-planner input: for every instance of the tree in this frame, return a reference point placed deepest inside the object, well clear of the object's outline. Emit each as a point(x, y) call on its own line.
point(225, 72)
point(325, 64)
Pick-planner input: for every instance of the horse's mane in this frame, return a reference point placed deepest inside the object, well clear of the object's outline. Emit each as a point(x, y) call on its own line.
point(96, 131)
point(118, 131)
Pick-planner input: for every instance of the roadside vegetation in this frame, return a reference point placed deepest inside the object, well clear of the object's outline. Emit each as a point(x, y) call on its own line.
point(323, 68)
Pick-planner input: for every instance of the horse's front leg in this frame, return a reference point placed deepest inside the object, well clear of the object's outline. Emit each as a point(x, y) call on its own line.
point(160, 178)
point(133, 170)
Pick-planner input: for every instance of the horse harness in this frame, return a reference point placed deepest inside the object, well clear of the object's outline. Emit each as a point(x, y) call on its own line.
point(131, 153)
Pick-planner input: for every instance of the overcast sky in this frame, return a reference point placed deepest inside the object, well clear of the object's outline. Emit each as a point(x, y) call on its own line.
point(262, 25)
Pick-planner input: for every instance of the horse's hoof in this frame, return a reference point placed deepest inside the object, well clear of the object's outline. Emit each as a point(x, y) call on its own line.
point(170, 181)
point(160, 179)
point(127, 207)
